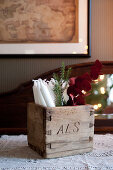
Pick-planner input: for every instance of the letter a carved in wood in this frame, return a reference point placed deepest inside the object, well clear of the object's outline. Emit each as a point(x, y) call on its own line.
point(60, 130)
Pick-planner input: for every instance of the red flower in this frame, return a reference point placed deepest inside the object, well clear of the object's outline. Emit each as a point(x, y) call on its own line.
point(98, 64)
point(77, 84)
point(76, 97)
point(72, 81)
point(73, 101)
point(83, 82)
point(73, 91)
point(87, 77)
point(80, 100)
point(70, 102)
point(95, 70)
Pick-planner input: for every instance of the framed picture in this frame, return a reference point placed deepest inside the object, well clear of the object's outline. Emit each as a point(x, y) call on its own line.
point(45, 28)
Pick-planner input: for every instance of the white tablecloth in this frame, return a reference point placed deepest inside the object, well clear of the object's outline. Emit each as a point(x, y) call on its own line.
point(16, 155)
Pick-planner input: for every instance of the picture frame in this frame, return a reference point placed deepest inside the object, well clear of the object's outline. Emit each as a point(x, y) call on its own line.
point(57, 49)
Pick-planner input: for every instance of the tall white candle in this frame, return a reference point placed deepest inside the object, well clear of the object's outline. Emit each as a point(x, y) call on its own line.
point(46, 95)
point(50, 88)
point(40, 96)
point(36, 98)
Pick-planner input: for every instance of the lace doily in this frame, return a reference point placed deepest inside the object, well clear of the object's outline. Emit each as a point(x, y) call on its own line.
point(16, 155)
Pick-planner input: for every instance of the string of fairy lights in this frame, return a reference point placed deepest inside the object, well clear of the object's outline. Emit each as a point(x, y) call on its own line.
point(98, 94)
point(102, 90)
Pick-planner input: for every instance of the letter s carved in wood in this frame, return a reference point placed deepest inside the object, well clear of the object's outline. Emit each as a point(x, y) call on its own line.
point(76, 125)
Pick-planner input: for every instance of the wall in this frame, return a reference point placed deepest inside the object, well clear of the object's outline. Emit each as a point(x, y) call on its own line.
point(16, 71)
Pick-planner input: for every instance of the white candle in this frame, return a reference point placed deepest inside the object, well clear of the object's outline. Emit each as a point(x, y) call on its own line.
point(40, 96)
point(36, 98)
point(37, 94)
point(50, 88)
point(46, 94)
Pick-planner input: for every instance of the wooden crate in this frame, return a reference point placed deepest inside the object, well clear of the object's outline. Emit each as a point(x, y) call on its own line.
point(60, 131)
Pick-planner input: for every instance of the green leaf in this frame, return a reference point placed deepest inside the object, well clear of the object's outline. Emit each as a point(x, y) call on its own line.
point(68, 74)
point(56, 77)
point(60, 79)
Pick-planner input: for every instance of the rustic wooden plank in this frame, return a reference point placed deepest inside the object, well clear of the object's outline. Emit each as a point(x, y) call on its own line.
point(69, 137)
point(68, 153)
point(60, 146)
point(12, 131)
point(36, 127)
point(104, 130)
point(71, 128)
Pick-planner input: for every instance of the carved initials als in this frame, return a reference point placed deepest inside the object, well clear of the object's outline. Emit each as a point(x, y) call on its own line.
point(69, 128)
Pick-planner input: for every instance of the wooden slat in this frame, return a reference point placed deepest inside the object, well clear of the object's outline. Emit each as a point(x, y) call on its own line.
point(12, 131)
point(103, 130)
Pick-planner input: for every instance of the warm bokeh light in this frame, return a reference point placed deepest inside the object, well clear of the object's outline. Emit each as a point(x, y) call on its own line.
point(74, 52)
point(102, 90)
point(86, 47)
point(99, 105)
point(85, 52)
point(84, 92)
point(96, 81)
point(102, 77)
point(95, 107)
point(96, 114)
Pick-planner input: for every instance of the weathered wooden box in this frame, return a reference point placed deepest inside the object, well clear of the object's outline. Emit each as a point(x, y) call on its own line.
point(60, 131)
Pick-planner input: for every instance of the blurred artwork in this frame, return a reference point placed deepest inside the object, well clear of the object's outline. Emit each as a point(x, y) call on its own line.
point(39, 21)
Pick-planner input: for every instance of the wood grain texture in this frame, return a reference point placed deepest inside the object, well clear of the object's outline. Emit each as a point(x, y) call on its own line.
point(60, 131)
point(13, 104)
point(36, 127)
